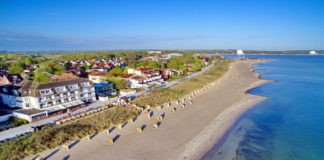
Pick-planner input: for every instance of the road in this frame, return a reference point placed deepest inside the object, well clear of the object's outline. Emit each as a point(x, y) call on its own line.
point(11, 133)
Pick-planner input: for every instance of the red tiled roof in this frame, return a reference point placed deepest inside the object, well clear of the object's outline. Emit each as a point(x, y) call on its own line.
point(67, 75)
point(97, 73)
point(137, 77)
point(143, 68)
point(122, 75)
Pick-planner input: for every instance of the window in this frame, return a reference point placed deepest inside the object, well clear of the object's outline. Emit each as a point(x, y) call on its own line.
point(46, 91)
point(59, 89)
point(85, 84)
point(16, 93)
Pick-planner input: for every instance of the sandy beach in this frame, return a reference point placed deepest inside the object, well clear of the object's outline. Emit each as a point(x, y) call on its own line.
point(187, 133)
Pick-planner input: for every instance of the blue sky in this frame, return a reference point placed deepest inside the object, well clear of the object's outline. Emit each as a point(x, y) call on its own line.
point(161, 24)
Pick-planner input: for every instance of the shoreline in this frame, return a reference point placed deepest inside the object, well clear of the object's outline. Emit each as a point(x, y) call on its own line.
point(213, 133)
point(183, 134)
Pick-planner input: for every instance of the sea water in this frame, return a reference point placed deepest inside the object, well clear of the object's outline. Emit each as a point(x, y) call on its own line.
point(288, 126)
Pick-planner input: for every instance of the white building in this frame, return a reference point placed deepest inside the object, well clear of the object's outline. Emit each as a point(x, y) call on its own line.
point(313, 52)
point(96, 77)
point(239, 52)
point(144, 77)
point(126, 92)
point(172, 55)
point(154, 52)
point(40, 100)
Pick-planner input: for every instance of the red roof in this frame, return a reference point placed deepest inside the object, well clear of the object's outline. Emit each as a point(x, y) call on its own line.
point(122, 75)
point(137, 77)
point(67, 75)
point(97, 73)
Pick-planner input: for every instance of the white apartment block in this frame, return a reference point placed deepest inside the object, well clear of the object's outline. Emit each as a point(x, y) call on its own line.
point(41, 100)
point(144, 77)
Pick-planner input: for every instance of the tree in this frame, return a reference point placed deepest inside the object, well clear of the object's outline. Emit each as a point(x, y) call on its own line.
point(174, 63)
point(116, 70)
point(125, 70)
point(198, 62)
point(42, 78)
point(92, 63)
point(183, 67)
point(15, 69)
point(58, 70)
point(188, 59)
point(86, 66)
point(28, 61)
point(78, 68)
point(68, 65)
point(153, 64)
point(3, 64)
point(119, 83)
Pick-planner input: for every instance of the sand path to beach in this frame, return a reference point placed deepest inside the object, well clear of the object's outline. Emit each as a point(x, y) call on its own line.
point(186, 134)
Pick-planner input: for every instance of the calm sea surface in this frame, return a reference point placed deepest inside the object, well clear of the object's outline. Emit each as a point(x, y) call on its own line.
point(290, 125)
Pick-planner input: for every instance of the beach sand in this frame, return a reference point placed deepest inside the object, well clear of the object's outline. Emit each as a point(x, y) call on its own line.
point(187, 133)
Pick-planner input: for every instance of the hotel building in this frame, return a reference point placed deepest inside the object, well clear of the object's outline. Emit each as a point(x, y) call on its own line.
point(47, 99)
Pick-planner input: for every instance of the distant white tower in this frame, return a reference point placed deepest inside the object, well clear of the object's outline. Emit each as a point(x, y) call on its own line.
point(313, 52)
point(239, 52)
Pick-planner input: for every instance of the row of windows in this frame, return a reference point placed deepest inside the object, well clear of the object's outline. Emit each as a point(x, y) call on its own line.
point(62, 89)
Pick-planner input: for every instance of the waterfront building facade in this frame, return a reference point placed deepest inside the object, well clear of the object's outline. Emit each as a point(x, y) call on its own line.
point(48, 98)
